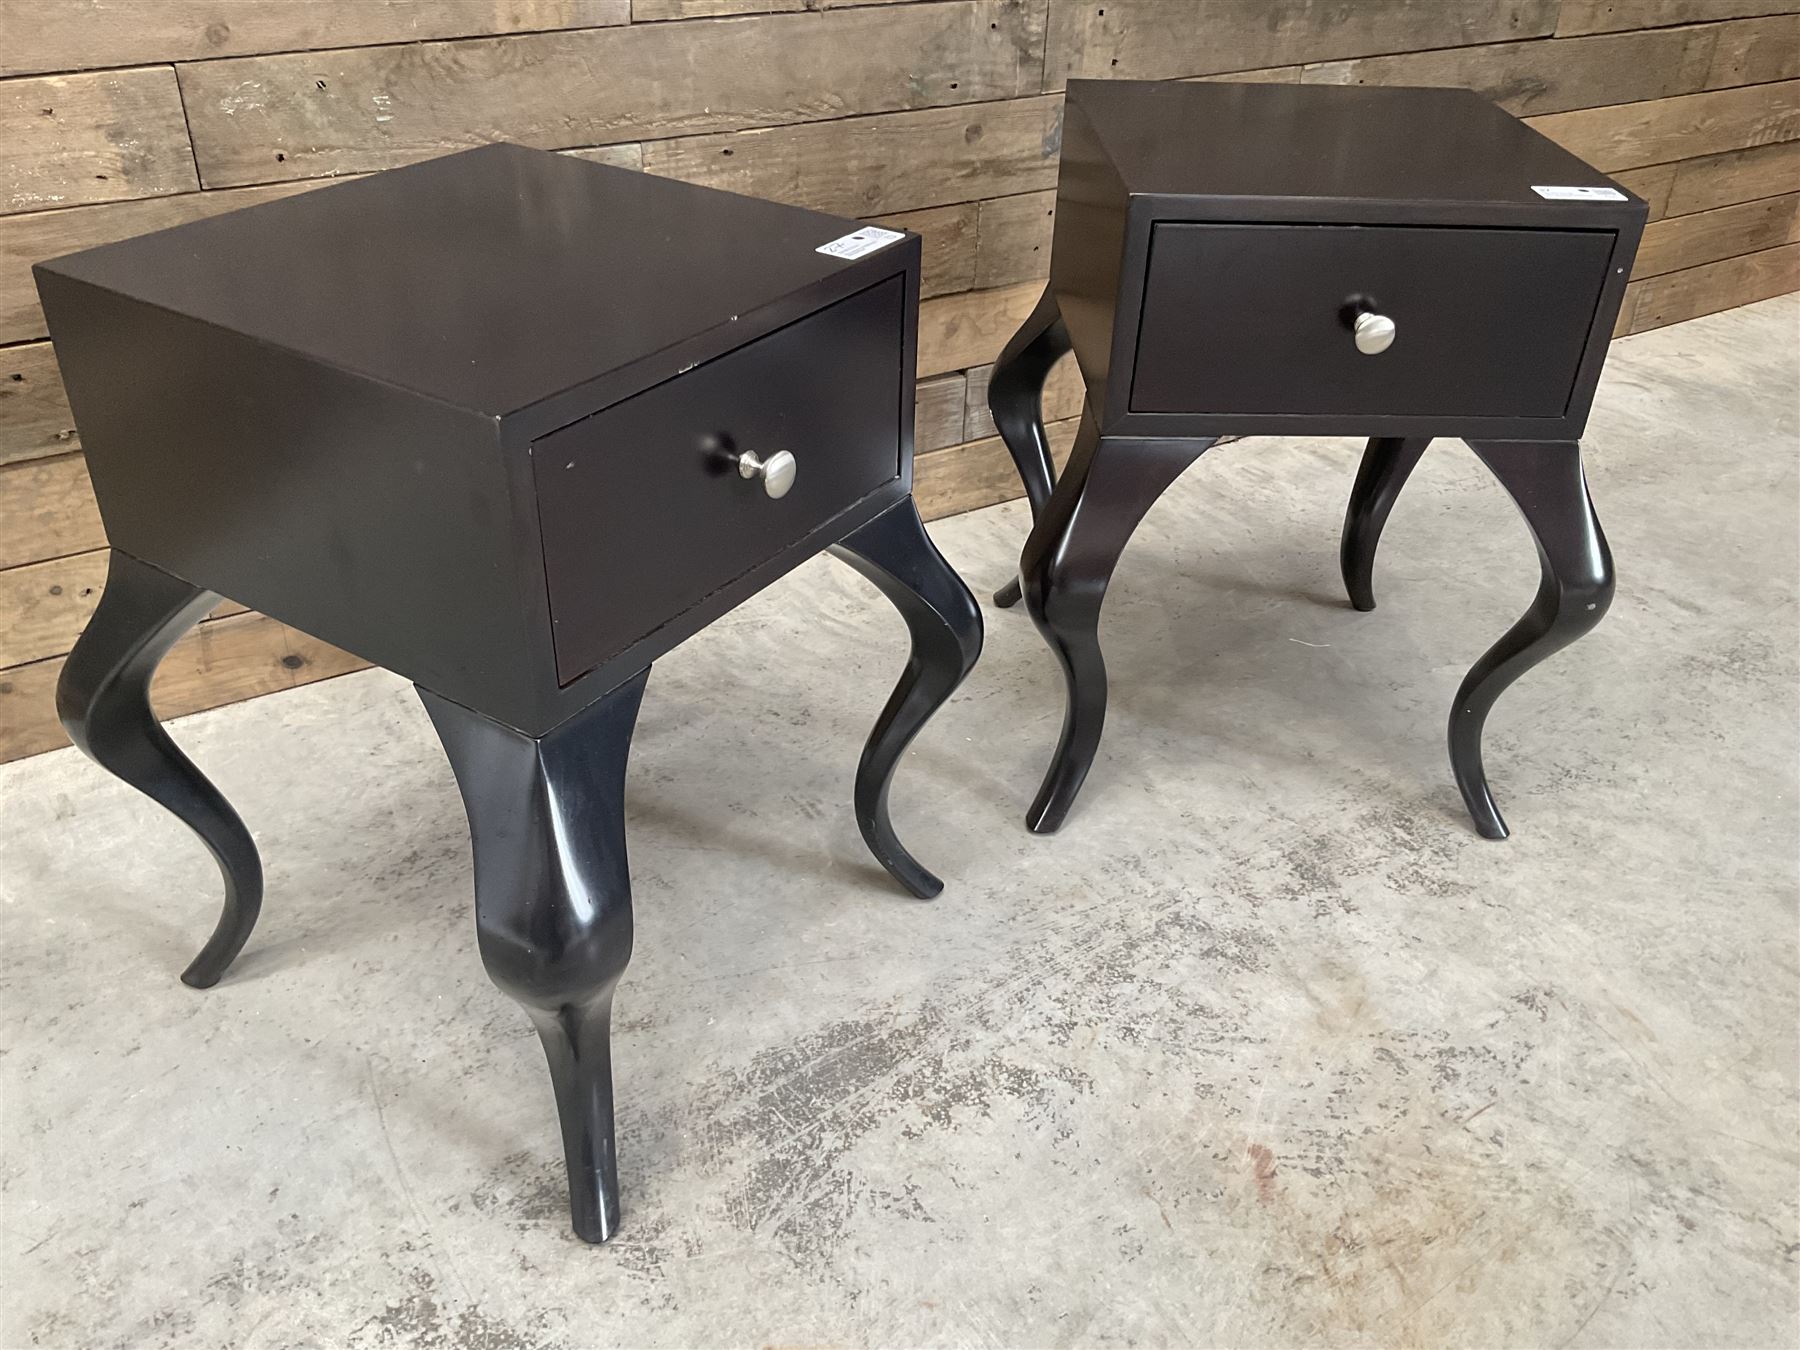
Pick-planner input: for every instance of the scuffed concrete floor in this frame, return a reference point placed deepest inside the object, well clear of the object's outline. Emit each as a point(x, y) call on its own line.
point(1266, 1048)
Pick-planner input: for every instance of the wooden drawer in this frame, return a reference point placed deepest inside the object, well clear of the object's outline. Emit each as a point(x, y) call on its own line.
point(643, 515)
point(1254, 319)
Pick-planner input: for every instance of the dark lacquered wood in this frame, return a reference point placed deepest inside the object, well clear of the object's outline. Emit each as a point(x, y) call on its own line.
point(1548, 484)
point(103, 700)
point(323, 407)
point(472, 421)
point(553, 905)
point(1387, 463)
point(1067, 564)
point(654, 478)
point(1213, 243)
point(1139, 156)
point(1256, 319)
point(894, 552)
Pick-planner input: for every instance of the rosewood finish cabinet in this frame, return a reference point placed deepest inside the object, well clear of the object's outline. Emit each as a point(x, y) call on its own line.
point(511, 425)
point(1231, 259)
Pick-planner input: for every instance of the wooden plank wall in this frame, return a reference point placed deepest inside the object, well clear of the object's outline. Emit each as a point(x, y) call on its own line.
point(122, 116)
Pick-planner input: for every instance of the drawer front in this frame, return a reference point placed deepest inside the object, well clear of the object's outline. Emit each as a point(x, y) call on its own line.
point(642, 513)
point(1256, 319)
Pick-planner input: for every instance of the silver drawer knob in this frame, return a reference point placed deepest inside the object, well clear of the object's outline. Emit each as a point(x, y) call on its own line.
point(1374, 333)
point(777, 472)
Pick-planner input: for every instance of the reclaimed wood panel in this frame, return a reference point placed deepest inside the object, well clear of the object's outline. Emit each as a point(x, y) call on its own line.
point(650, 11)
point(66, 140)
point(263, 118)
point(1734, 176)
point(218, 662)
point(937, 413)
point(981, 473)
point(29, 239)
point(88, 34)
point(47, 510)
point(34, 411)
point(1160, 40)
point(1606, 16)
point(1715, 286)
point(863, 166)
point(1658, 132)
point(1757, 51)
point(1013, 243)
point(1707, 236)
point(47, 604)
point(959, 331)
point(1547, 77)
point(1653, 184)
point(946, 243)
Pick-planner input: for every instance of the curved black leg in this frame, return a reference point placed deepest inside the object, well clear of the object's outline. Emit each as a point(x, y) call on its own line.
point(1387, 463)
point(1068, 561)
point(1016, 400)
point(1546, 480)
point(553, 905)
point(895, 553)
point(103, 700)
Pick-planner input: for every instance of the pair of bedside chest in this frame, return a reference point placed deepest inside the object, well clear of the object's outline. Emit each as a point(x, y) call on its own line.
point(514, 425)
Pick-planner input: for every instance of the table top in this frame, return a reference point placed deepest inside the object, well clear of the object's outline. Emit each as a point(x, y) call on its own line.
point(489, 279)
point(1336, 142)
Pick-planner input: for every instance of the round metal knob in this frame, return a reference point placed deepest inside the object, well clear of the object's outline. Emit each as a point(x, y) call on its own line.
point(1374, 333)
point(777, 471)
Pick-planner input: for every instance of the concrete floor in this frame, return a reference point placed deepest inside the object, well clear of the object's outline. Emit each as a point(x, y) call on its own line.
point(1266, 1048)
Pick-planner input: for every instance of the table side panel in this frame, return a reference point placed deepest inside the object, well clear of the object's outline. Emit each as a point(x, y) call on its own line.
point(375, 519)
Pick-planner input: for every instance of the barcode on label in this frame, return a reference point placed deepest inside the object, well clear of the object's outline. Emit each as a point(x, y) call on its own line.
point(855, 245)
point(1580, 194)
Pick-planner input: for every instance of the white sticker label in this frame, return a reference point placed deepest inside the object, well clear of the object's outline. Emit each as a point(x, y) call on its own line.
point(866, 240)
point(1580, 194)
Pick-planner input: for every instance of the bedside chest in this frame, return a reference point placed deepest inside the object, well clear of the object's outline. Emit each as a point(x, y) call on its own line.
point(511, 425)
point(1400, 264)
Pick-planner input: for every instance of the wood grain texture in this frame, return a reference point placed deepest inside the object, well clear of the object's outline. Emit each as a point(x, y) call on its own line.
point(1658, 132)
point(863, 166)
point(1160, 40)
point(1707, 236)
point(1653, 183)
point(88, 34)
point(47, 604)
point(947, 241)
point(266, 118)
point(1734, 176)
point(651, 11)
point(70, 139)
point(1546, 77)
point(959, 331)
point(1608, 16)
point(34, 411)
point(1755, 52)
point(1714, 286)
point(47, 510)
point(218, 662)
point(937, 413)
point(29, 239)
point(1013, 243)
point(978, 474)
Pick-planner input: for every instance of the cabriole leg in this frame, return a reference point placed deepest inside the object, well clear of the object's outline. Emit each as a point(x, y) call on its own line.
point(103, 700)
point(1016, 401)
point(1067, 565)
point(1546, 480)
point(1387, 462)
point(895, 553)
point(553, 905)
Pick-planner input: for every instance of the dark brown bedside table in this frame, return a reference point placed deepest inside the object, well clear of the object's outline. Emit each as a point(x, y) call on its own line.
point(511, 425)
point(1232, 259)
